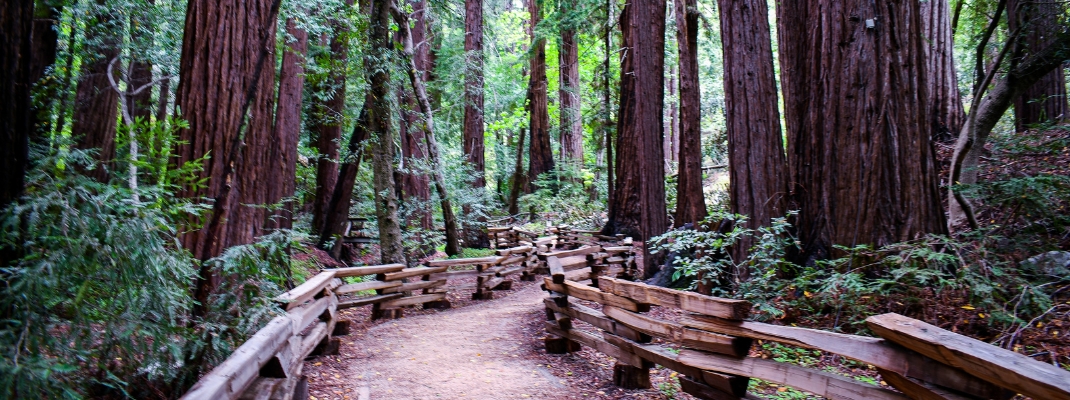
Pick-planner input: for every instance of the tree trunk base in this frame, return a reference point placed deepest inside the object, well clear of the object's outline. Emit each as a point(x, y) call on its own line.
point(560, 345)
point(629, 377)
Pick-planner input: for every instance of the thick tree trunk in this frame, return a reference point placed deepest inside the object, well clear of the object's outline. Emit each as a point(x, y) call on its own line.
point(541, 156)
point(226, 93)
point(863, 165)
point(434, 153)
point(95, 102)
point(327, 121)
point(758, 167)
point(571, 119)
point(16, 16)
point(416, 183)
point(606, 98)
point(638, 207)
point(379, 125)
point(945, 103)
point(518, 176)
point(42, 55)
point(690, 202)
point(1046, 99)
point(475, 235)
point(287, 130)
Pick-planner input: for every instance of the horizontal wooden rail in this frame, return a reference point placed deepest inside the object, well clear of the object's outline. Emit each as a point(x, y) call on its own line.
point(921, 361)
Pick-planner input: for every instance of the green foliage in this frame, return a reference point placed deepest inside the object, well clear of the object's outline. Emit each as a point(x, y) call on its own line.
point(563, 196)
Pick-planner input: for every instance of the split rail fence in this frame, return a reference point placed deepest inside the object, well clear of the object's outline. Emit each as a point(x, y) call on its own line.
point(921, 361)
point(269, 365)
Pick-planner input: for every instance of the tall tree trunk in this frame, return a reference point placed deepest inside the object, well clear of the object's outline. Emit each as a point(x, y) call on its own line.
point(413, 147)
point(541, 157)
point(571, 118)
point(43, 55)
point(606, 100)
point(337, 212)
point(671, 112)
point(434, 153)
point(690, 202)
point(863, 165)
point(95, 102)
point(945, 103)
point(758, 172)
point(638, 208)
point(286, 134)
point(16, 16)
point(226, 93)
point(518, 175)
point(1046, 99)
point(379, 125)
point(327, 121)
point(475, 235)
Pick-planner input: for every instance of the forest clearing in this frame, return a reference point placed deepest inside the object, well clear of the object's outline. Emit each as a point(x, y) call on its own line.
point(560, 199)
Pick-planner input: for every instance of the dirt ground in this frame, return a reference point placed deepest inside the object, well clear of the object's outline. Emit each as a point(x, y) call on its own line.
point(477, 350)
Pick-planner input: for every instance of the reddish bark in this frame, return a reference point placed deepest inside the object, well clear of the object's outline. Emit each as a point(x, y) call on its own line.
point(95, 102)
point(863, 169)
point(541, 156)
point(945, 102)
point(473, 89)
point(755, 149)
point(337, 212)
point(638, 207)
point(327, 121)
point(1046, 99)
point(690, 202)
point(379, 125)
point(225, 75)
point(286, 133)
point(415, 183)
point(16, 16)
point(571, 119)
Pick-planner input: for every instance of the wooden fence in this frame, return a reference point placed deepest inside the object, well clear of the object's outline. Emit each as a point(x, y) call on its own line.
point(920, 360)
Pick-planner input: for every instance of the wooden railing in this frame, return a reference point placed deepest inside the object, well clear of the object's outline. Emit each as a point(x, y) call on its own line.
point(269, 365)
point(920, 360)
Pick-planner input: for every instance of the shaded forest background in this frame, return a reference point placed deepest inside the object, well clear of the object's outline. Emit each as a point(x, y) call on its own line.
point(170, 166)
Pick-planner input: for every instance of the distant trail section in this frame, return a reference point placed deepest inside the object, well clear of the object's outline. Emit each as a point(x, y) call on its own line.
point(478, 352)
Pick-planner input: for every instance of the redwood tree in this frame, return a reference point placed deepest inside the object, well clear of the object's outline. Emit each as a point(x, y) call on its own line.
point(286, 133)
point(1040, 26)
point(327, 120)
point(690, 203)
point(858, 125)
point(416, 183)
point(541, 156)
point(380, 127)
point(569, 67)
point(16, 16)
point(945, 102)
point(96, 104)
point(474, 234)
point(638, 207)
point(226, 92)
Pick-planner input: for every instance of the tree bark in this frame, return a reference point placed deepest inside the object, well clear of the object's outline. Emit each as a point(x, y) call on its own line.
point(434, 153)
point(95, 102)
point(226, 93)
point(571, 119)
point(638, 208)
point(945, 102)
point(1046, 99)
point(541, 157)
point(16, 16)
point(416, 183)
point(758, 167)
point(327, 121)
point(607, 111)
point(862, 162)
point(337, 212)
point(690, 202)
point(518, 176)
point(42, 55)
point(379, 125)
point(286, 133)
point(475, 235)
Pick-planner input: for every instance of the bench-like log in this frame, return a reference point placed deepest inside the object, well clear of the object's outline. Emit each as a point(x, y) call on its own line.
point(687, 301)
point(593, 294)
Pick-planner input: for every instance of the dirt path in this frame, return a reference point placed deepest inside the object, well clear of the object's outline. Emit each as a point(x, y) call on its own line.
point(477, 352)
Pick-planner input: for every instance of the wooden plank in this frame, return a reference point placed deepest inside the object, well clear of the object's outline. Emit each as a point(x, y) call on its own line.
point(703, 391)
point(513, 260)
point(307, 290)
point(582, 251)
point(687, 301)
point(229, 379)
point(369, 270)
point(574, 262)
point(557, 272)
point(515, 250)
point(408, 301)
point(733, 384)
point(411, 272)
point(593, 294)
point(597, 319)
point(918, 390)
point(1001, 367)
point(510, 271)
point(408, 287)
point(363, 301)
point(304, 315)
point(614, 260)
point(491, 283)
point(597, 343)
point(462, 261)
point(360, 287)
point(874, 351)
point(467, 273)
point(733, 346)
point(578, 275)
point(655, 354)
point(821, 383)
